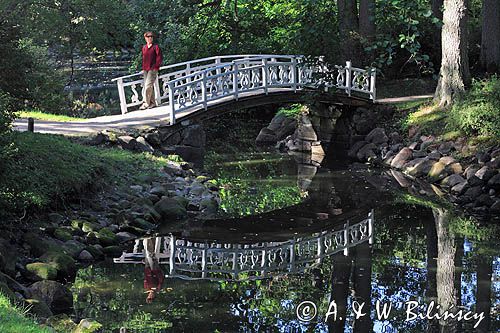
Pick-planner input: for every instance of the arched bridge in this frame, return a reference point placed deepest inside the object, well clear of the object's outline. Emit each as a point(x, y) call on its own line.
point(211, 260)
point(186, 88)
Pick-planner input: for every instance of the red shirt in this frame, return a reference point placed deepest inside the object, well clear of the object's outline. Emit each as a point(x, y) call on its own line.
point(151, 57)
point(153, 278)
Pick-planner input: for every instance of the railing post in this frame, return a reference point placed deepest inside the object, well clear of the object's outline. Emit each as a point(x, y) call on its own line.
point(371, 219)
point(204, 88)
point(235, 80)
point(172, 254)
point(294, 74)
point(373, 89)
point(204, 263)
point(348, 77)
point(346, 238)
point(121, 94)
point(264, 75)
point(171, 103)
point(320, 249)
point(218, 72)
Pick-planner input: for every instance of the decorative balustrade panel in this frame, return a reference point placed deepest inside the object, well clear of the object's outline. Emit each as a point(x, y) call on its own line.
point(187, 85)
point(205, 260)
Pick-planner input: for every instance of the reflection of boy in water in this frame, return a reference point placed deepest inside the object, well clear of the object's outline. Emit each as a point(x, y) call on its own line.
point(153, 275)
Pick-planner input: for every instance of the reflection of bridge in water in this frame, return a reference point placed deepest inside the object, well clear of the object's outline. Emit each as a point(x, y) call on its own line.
point(211, 260)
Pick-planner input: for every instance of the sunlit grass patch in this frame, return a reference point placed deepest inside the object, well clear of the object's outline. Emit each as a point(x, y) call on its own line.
point(12, 319)
point(45, 116)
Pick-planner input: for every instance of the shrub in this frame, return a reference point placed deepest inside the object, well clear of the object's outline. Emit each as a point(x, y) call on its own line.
point(6, 116)
point(478, 111)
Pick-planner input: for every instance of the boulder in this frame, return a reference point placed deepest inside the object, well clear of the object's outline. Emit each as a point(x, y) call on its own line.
point(38, 308)
point(367, 152)
point(169, 208)
point(113, 251)
point(194, 136)
point(266, 136)
point(419, 167)
point(452, 180)
point(459, 188)
point(106, 237)
point(63, 234)
point(485, 173)
point(87, 326)
point(143, 146)
point(355, 148)
point(90, 226)
point(124, 236)
point(437, 172)
point(43, 270)
point(494, 182)
point(64, 264)
point(127, 142)
point(447, 160)
point(58, 298)
point(153, 139)
point(287, 128)
point(377, 136)
point(401, 158)
point(454, 168)
point(85, 256)
point(305, 130)
point(190, 153)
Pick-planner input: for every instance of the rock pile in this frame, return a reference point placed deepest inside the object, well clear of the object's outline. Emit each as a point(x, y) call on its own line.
point(472, 183)
point(188, 142)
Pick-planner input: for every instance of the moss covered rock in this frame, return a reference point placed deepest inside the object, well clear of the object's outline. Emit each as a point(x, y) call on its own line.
point(42, 270)
point(107, 237)
point(63, 234)
point(61, 323)
point(170, 208)
point(64, 264)
point(54, 294)
point(87, 326)
point(89, 226)
point(112, 251)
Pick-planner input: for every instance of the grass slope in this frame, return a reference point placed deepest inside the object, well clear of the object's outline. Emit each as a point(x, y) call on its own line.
point(12, 319)
point(46, 168)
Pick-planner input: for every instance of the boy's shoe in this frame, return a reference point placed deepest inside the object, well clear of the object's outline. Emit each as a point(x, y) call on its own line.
point(143, 107)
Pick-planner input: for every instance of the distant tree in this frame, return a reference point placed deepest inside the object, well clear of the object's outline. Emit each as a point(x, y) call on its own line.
point(490, 39)
point(367, 28)
point(348, 29)
point(454, 75)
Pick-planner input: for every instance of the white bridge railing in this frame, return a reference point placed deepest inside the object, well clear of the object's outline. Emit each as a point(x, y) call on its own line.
point(198, 83)
point(228, 261)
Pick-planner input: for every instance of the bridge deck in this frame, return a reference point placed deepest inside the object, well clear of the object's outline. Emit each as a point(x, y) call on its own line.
point(139, 119)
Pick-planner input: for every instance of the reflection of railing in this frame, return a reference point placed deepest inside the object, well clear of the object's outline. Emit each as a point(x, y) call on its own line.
point(230, 261)
point(196, 83)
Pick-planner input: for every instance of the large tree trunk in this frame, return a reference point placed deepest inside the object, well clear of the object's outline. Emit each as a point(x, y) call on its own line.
point(432, 254)
point(348, 28)
point(341, 274)
point(367, 28)
point(483, 293)
point(363, 285)
point(447, 293)
point(490, 39)
point(454, 75)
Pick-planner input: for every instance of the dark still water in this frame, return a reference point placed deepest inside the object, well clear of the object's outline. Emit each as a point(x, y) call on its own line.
point(300, 248)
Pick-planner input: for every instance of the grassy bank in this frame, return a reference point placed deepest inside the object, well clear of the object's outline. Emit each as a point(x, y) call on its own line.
point(46, 168)
point(475, 117)
point(12, 319)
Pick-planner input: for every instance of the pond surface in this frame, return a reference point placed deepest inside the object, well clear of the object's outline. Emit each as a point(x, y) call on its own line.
point(294, 231)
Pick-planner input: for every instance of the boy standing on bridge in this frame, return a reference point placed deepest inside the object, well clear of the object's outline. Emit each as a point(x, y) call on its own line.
point(151, 61)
